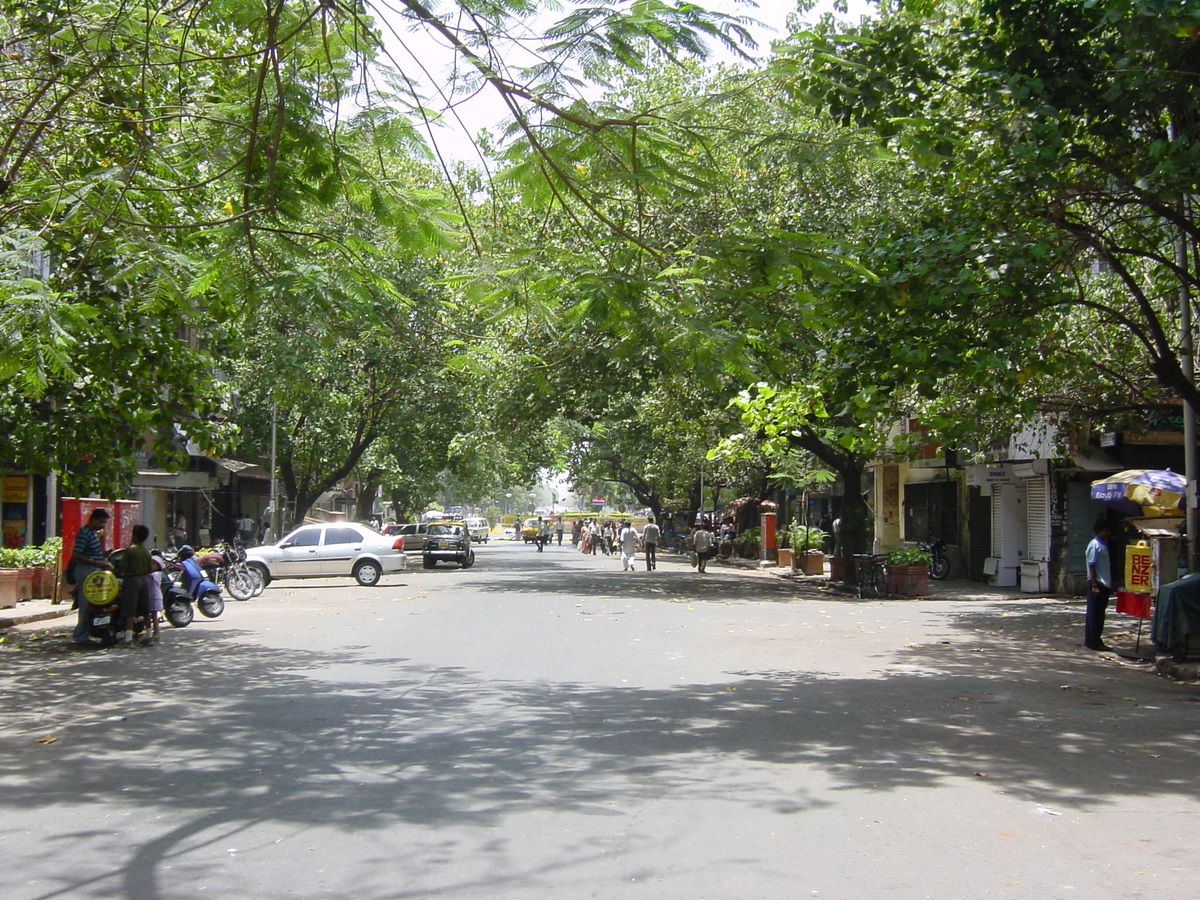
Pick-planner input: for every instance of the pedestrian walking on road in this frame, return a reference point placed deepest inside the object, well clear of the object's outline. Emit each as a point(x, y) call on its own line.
point(705, 547)
point(1100, 587)
point(558, 530)
point(629, 542)
point(650, 539)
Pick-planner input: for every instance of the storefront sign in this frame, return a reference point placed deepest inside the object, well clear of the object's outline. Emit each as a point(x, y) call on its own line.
point(16, 489)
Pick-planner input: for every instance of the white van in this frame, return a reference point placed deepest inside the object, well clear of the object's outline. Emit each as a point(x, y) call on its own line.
point(478, 528)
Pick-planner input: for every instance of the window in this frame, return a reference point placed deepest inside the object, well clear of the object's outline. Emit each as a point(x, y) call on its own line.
point(308, 537)
point(342, 536)
point(931, 510)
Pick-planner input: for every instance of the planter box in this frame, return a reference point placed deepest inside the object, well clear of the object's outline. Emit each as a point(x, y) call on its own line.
point(25, 583)
point(837, 568)
point(8, 588)
point(812, 563)
point(908, 581)
point(43, 582)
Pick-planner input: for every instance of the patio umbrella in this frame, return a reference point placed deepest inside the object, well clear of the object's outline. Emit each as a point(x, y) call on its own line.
point(1142, 492)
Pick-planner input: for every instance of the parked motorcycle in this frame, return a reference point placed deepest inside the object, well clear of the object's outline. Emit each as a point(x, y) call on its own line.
point(98, 596)
point(939, 562)
point(227, 565)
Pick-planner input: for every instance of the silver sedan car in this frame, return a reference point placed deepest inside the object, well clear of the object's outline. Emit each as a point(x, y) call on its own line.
point(330, 549)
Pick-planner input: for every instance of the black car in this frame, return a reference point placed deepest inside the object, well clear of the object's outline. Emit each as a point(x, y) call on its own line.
point(447, 541)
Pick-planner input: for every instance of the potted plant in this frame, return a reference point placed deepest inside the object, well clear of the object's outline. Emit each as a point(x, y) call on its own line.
point(908, 571)
point(807, 541)
point(8, 578)
point(25, 559)
point(45, 559)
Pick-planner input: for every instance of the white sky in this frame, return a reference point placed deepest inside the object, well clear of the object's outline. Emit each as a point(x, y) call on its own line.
point(415, 51)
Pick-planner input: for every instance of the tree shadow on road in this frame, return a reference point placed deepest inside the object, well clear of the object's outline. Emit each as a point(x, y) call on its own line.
point(226, 736)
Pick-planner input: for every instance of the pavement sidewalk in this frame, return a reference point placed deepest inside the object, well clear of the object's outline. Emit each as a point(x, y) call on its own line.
point(27, 611)
point(950, 589)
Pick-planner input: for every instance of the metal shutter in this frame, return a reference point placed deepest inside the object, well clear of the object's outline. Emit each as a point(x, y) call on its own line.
point(1037, 517)
point(998, 518)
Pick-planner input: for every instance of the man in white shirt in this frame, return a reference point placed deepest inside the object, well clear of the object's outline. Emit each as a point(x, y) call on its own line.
point(629, 540)
point(702, 543)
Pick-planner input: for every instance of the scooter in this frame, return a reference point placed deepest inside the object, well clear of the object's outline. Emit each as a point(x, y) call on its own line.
point(196, 587)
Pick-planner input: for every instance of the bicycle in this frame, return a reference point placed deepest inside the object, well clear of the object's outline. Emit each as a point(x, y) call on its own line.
point(870, 575)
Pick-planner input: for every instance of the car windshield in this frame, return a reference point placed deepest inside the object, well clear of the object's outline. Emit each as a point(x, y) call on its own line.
point(446, 528)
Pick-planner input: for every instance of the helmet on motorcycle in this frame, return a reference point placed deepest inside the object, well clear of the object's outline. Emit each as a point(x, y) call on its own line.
point(186, 552)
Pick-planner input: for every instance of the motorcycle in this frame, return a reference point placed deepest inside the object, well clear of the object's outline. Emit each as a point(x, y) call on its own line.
point(98, 597)
point(196, 587)
point(939, 563)
point(227, 565)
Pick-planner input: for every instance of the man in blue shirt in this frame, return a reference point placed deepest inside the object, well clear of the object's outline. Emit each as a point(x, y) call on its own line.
point(86, 557)
point(1100, 587)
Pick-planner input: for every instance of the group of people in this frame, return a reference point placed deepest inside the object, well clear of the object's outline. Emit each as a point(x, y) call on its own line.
point(590, 536)
point(138, 568)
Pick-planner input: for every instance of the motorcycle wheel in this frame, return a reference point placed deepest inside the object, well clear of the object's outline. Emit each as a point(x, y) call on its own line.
point(939, 568)
point(239, 584)
point(211, 605)
point(179, 613)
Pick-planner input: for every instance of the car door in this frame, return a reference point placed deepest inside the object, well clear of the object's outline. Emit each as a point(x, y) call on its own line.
point(300, 554)
point(342, 545)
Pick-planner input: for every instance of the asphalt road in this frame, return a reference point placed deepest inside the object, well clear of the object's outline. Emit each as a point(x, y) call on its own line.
point(546, 726)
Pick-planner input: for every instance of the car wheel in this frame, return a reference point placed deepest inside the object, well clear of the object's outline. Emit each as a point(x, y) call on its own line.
point(469, 559)
point(367, 573)
point(179, 613)
point(211, 605)
point(428, 562)
point(264, 575)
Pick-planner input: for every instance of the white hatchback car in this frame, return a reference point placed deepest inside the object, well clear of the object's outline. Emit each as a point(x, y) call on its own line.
point(478, 528)
point(329, 550)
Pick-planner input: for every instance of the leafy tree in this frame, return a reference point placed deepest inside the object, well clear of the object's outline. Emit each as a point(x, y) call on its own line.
point(1076, 115)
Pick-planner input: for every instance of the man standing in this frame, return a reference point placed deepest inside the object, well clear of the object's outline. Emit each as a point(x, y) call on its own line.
point(558, 530)
point(702, 543)
point(86, 558)
point(628, 539)
point(1100, 587)
point(650, 538)
point(543, 534)
point(246, 530)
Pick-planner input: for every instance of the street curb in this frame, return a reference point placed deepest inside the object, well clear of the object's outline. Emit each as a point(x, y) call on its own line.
point(12, 621)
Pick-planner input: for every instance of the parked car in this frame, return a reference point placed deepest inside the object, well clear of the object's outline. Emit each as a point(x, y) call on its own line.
point(413, 534)
point(448, 541)
point(530, 531)
point(478, 528)
point(330, 549)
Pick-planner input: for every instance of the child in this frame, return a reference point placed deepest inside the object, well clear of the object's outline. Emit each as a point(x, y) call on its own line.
point(134, 569)
point(157, 564)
